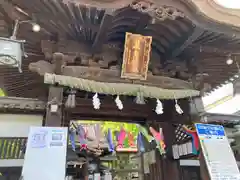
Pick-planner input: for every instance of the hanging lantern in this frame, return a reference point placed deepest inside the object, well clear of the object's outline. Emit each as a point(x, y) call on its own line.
point(11, 52)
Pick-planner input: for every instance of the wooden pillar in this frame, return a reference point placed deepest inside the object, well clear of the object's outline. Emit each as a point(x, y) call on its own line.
point(55, 94)
point(197, 108)
point(170, 167)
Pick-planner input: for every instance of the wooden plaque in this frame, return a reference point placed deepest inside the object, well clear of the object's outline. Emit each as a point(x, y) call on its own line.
point(136, 56)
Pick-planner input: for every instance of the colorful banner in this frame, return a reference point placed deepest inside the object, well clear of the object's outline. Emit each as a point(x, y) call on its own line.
point(120, 137)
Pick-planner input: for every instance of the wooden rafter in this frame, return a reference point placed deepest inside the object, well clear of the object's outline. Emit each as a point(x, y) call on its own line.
point(101, 34)
point(197, 32)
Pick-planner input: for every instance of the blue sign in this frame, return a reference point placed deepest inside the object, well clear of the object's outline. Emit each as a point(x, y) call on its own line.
point(210, 130)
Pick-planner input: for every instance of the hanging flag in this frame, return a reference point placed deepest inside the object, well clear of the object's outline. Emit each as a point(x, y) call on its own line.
point(140, 142)
point(82, 137)
point(195, 139)
point(145, 133)
point(110, 140)
point(121, 138)
point(131, 140)
point(97, 130)
point(72, 134)
point(158, 136)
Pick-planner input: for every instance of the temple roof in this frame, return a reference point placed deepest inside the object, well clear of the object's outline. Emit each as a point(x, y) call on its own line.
point(184, 45)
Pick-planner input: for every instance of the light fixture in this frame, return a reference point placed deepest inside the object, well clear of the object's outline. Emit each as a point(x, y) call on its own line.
point(53, 105)
point(36, 27)
point(53, 108)
point(229, 60)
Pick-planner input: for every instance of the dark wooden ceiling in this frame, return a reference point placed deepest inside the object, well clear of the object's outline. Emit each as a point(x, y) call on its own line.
point(178, 44)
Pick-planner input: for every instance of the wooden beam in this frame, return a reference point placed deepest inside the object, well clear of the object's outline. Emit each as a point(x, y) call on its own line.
point(131, 112)
point(109, 75)
point(102, 33)
point(197, 32)
point(142, 24)
point(221, 118)
point(198, 48)
point(9, 103)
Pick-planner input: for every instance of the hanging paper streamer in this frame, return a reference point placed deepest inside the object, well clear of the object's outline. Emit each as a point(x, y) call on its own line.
point(82, 137)
point(119, 103)
point(158, 136)
point(159, 107)
point(131, 140)
point(121, 138)
point(110, 140)
point(178, 108)
point(140, 142)
point(145, 133)
point(96, 101)
point(195, 139)
point(97, 129)
point(72, 134)
point(140, 98)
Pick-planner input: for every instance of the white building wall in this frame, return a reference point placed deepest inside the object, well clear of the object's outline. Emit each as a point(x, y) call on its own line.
point(16, 125)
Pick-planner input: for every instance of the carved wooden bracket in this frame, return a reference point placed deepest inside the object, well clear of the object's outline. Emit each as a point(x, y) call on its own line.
point(21, 103)
point(159, 12)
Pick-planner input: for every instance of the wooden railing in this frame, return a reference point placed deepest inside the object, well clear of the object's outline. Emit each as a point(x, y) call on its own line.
point(12, 148)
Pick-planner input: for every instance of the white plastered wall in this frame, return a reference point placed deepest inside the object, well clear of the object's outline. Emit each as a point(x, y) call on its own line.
point(17, 125)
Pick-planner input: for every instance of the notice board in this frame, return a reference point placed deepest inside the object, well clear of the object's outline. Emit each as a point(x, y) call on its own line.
point(218, 155)
point(45, 157)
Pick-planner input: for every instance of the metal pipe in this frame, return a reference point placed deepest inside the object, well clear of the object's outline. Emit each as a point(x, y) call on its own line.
point(16, 26)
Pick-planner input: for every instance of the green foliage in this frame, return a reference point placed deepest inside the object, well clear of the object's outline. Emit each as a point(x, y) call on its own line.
point(2, 93)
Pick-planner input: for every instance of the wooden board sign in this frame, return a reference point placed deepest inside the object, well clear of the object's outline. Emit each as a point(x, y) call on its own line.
point(217, 152)
point(136, 56)
point(45, 157)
